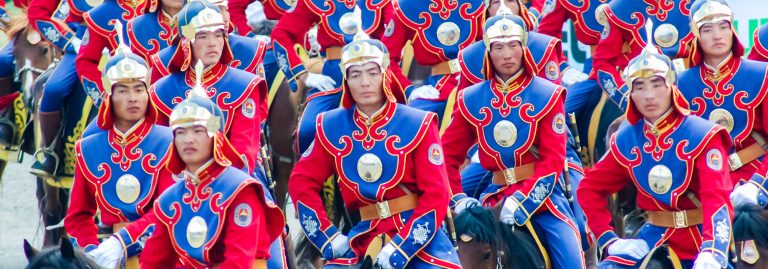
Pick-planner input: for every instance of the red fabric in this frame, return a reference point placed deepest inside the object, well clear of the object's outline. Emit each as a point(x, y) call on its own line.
point(42, 10)
point(605, 57)
point(759, 51)
point(237, 15)
point(318, 164)
point(236, 247)
point(86, 198)
point(711, 187)
point(461, 135)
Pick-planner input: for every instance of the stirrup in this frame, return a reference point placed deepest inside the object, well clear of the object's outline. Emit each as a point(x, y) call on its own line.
point(42, 173)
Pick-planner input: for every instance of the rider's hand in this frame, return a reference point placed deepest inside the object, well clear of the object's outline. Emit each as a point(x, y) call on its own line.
point(745, 194)
point(571, 76)
point(508, 209)
point(321, 82)
point(464, 204)
point(706, 260)
point(424, 92)
point(340, 245)
point(634, 248)
point(383, 259)
point(108, 253)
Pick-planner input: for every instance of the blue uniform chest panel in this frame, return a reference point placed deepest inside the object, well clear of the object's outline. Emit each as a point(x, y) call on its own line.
point(332, 14)
point(147, 31)
point(431, 16)
point(104, 14)
point(667, 14)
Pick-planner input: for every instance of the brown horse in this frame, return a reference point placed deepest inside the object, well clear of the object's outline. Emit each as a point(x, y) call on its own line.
point(750, 232)
point(32, 56)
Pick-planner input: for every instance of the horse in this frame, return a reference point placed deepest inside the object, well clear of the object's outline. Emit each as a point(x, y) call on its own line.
point(486, 242)
point(750, 233)
point(64, 256)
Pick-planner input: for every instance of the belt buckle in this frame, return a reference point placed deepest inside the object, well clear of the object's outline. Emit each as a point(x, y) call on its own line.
point(681, 220)
point(382, 208)
point(509, 176)
point(454, 66)
point(734, 161)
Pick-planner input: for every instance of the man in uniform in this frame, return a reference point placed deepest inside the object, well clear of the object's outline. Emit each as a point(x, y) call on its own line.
point(389, 162)
point(156, 29)
point(682, 186)
point(437, 32)
point(65, 32)
point(203, 39)
point(726, 89)
point(119, 167)
point(216, 216)
point(518, 122)
point(338, 21)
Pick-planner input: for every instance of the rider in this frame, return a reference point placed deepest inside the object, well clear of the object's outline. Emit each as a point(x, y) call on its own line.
point(435, 44)
point(682, 186)
point(153, 31)
point(396, 179)
point(726, 89)
point(518, 122)
point(100, 35)
point(215, 216)
point(119, 169)
point(337, 24)
point(46, 16)
point(203, 39)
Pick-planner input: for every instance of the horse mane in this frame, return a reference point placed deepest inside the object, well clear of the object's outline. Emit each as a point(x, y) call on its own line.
point(18, 24)
point(484, 225)
point(750, 222)
point(52, 258)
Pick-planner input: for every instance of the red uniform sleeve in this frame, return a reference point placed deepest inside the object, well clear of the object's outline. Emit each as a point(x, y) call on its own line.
point(87, 61)
point(432, 184)
point(244, 242)
point(79, 223)
point(159, 249)
point(604, 179)
point(237, 15)
point(289, 31)
point(309, 173)
point(245, 132)
point(458, 137)
point(607, 51)
point(396, 41)
point(42, 10)
point(713, 187)
point(551, 24)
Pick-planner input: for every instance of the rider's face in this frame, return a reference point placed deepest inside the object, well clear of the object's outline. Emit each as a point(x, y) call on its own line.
point(652, 97)
point(208, 47)
point(129, 100)
point(507, 58)
point(193, 144)
point(716, 39)
point(365, 84)
point(172, 6)
point(493, 7)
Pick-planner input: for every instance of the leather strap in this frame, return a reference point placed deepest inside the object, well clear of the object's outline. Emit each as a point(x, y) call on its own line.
point(514, 175)
point(675, 219)
point(744, 156)
point(385, 209)
point(117, 226)
point(447, 67)
point(333, 53)
point(259, 264)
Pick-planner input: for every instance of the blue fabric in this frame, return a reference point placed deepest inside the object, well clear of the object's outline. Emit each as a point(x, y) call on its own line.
point(319, 104)
point(561, 241)
point(582, 97)
point(436, 106)
point(63, 80)
point(6, 60)
point(475, 179)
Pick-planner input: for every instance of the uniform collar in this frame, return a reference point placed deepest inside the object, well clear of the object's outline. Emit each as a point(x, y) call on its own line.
point(717, 73)
point(383, 113)
point(211, 75)
point(514, 84)
point(664, 124)
point(166, 19)
point(136, 131)
point(205, 174)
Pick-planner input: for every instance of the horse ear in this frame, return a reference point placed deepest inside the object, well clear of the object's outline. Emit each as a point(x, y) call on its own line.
point(29, 251)
point(67, 251)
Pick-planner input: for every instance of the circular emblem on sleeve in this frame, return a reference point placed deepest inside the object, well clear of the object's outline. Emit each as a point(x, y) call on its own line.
point(390, 28)
point(128, 188)
point(249, 108)
point(243, 215)
point(714, 159)
point(553, 72)
point(435, 154)
point(660, 179)
point(558, 123)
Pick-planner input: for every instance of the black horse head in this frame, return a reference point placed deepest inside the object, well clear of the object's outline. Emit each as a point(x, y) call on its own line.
point(750, 222)
point(486, 242)
point(65, 256)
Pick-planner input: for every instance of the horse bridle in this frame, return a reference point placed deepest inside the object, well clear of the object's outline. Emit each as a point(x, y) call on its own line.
point(500, 244)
